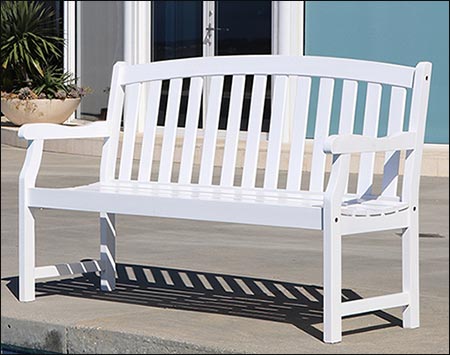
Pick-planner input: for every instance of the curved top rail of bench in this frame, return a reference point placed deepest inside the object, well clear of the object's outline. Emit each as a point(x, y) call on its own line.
point(339, 68)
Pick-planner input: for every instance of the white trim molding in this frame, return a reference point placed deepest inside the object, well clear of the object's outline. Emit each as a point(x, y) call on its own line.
point(287, 39)
point(137, 32)
point(137, 40)
point(287, 27)
point(69, 53)
point(69, 36)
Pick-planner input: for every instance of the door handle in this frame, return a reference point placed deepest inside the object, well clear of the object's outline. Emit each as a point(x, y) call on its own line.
point(210, 28)
point(209, 32)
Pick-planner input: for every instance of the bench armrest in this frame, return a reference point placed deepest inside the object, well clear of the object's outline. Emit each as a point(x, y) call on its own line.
point(38, 131)
point(353, 143)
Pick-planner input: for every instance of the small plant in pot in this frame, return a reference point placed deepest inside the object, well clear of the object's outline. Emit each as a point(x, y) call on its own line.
point(33, 88)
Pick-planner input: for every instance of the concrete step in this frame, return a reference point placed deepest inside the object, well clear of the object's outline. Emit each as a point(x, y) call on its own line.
point(435, 158)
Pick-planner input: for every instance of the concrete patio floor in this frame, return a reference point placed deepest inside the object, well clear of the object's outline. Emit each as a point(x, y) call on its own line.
point(201, 287)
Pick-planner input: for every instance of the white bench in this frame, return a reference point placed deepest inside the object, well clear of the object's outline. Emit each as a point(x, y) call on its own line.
point(332, 209)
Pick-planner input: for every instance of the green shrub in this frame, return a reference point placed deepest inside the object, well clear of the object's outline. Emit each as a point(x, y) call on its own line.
point(29, 51)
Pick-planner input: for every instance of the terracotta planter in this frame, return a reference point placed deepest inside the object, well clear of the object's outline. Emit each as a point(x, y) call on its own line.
point(20, 112)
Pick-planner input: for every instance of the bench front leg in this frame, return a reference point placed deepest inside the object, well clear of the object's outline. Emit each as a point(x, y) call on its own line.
point(332, 280)
point(410, 266)
point(332, 250)
point(26, 254)
point(108, 251)
point(27, 180)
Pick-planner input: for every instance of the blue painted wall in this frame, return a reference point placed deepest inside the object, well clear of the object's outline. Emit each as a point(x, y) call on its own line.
point(402, 32)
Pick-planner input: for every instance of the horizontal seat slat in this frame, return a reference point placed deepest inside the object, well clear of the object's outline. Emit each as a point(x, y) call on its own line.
point(149, 196)
point(216, 210)
point(137, 186)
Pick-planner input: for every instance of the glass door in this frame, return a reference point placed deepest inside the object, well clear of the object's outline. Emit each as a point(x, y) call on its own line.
point(176, 29)
point(183, 29)
point(176, 33)
point(242, 27)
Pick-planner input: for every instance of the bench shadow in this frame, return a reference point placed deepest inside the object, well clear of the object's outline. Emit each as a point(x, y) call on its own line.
point(279, 301)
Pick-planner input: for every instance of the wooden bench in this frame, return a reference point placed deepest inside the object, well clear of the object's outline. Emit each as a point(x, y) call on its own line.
point(331, 209)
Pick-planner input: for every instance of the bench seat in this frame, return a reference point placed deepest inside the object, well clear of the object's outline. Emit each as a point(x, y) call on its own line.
point(210, 203)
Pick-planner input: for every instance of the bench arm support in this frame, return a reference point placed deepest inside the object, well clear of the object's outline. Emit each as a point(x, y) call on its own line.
point(341, 146)
point(336, 186)
point(43, 131)
point(30, 168)
point(36, 133)
point(353, 143)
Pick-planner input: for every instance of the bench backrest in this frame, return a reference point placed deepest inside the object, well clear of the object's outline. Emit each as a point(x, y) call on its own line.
point(290, 77)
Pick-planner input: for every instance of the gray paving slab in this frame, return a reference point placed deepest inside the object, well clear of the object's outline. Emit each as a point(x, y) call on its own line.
point(201, 287)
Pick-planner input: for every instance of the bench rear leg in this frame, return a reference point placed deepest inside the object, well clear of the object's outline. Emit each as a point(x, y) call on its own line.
point(332, 284)
point(26, 254)
point(410, 266)
point(108, 251)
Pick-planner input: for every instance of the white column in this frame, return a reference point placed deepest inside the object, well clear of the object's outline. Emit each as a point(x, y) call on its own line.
point(129, 29)
point(288, 40)
point(69, 36)
point(284, 28)
point(70, 40)
point(297, 24)
point(137, 40)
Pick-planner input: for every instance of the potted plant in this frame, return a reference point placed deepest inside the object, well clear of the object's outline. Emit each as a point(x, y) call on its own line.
point(33, 88)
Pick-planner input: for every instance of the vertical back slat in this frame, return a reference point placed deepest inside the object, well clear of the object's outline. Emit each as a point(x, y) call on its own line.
point(300, 120)
point(324, 104)
point(348, 108)
point(190, 131)
point(276, 131)
point(170, 130)
point(371, 119)
point(210, 132)
point(114, 117)
point(132, 99)
point(395, 125)
point(254, 131)
point(148, 137)
point(233, 126)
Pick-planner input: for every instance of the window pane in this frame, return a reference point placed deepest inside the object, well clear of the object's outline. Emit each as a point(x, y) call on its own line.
point(177, 29)
point(58, 9)
point(244, 27)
